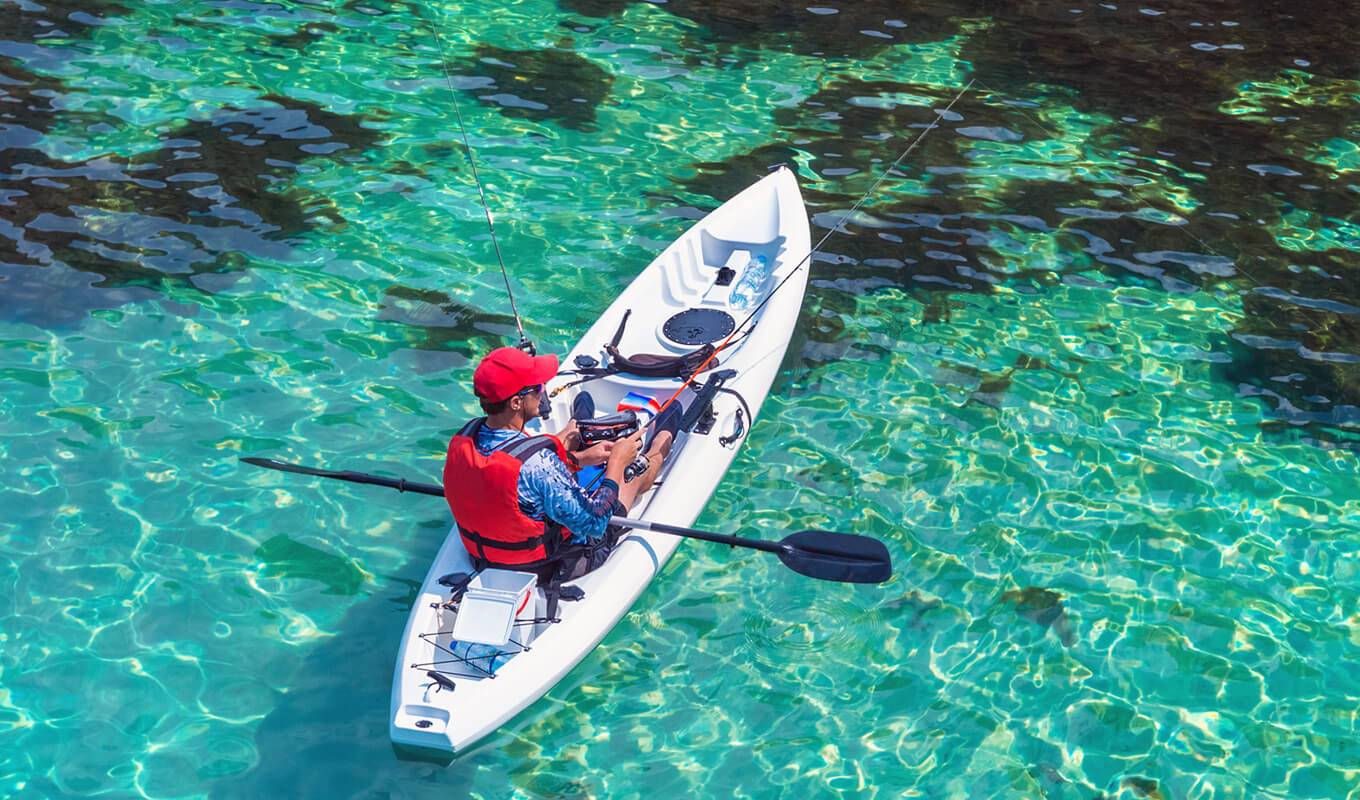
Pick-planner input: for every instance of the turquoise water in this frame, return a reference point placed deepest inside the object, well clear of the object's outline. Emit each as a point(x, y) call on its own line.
point(1087, 366)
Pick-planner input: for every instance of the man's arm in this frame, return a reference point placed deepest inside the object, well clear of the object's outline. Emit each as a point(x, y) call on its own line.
point(547, 489)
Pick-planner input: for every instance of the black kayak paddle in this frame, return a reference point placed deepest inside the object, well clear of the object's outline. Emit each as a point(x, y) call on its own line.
point(823, 555)
point(400, 484)
point(829, 556)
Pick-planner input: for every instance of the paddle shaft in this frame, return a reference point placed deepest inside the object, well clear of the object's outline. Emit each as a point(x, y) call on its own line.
point(816, 554)
point(401, 484)
point(675, 530)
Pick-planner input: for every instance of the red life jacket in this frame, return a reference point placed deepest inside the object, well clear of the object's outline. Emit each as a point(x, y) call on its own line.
point(482, 491)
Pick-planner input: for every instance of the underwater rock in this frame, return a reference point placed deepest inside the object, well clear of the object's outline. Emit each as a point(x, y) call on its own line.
point(540, 85)
point(595, 8)
point(56, 19)
point(982, 387)
point(306, 35)
point(1240, 139)
point(1044, 608)
point(915, 604)
point(1221, 186)
point(99, 233)
point(995, 384)
point(25, 100)
point(434, 321)
point(250, 150)
point(1274, 350)
point(1101, 59)
point(829, 28)
point(993, 387)
point(826, 340)
point(939, 309)
point(1143, 787)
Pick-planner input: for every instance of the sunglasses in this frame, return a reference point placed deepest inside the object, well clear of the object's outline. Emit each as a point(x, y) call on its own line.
point(539, 389)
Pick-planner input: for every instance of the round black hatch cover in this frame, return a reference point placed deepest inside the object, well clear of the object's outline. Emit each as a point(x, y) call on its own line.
point(698, 326)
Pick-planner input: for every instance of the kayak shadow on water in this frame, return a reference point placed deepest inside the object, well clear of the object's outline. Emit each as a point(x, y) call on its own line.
point(327, 735)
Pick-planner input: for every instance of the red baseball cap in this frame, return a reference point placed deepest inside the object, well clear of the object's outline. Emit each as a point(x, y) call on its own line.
point(506, 370)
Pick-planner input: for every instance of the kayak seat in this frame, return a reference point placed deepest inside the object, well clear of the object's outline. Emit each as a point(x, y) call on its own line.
point(652, 365)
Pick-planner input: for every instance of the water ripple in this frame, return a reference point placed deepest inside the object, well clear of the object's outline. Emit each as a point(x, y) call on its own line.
point(1085, 363)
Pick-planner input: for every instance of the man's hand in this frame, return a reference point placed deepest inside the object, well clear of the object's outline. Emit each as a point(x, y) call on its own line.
point(596, 454)
point(571, 438)
point(625, 450)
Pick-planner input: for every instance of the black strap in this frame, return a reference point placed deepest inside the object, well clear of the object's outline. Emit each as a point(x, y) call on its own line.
point(647, 365)
point(557, 541)
point(522, 449)
point(519, 449)
point(618, 334)
point(541, 540)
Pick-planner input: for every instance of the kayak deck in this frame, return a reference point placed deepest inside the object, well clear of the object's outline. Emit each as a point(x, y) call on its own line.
point(700, 270)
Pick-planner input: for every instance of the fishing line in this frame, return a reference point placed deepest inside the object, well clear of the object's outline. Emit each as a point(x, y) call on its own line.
point(845, 218)
point(807, 258)
point(524, 343)
point(1139, 201)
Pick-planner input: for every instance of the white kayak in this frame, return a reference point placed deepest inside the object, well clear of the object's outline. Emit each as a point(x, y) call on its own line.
point(446, 694)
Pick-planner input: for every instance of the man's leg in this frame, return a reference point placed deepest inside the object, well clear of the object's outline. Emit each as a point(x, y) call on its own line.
point(593, 555)
point(656, 456)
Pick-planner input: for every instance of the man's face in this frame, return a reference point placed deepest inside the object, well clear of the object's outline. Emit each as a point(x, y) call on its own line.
point(531, 398)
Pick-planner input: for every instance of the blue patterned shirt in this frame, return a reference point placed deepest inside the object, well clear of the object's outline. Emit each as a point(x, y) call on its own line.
point(547, 488)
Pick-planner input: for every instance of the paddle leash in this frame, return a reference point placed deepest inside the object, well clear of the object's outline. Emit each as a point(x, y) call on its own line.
point(827, 556)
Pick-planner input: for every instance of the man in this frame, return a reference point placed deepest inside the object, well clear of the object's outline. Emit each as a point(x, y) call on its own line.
point(515, 497)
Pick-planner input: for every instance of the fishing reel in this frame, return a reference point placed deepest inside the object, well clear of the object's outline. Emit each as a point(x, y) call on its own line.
point(639, 466)
point(608, 428)
point(611, 428)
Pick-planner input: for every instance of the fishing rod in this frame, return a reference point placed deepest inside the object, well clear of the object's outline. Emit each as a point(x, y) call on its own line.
point(808, 258)
point(524, 343)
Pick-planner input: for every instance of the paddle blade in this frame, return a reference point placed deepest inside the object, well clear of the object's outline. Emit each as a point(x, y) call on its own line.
point(836, 557)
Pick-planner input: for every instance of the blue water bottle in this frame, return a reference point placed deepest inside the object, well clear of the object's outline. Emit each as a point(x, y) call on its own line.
point(748, 285)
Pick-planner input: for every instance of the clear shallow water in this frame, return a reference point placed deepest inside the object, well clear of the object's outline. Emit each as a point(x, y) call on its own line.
point(1087, 367)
